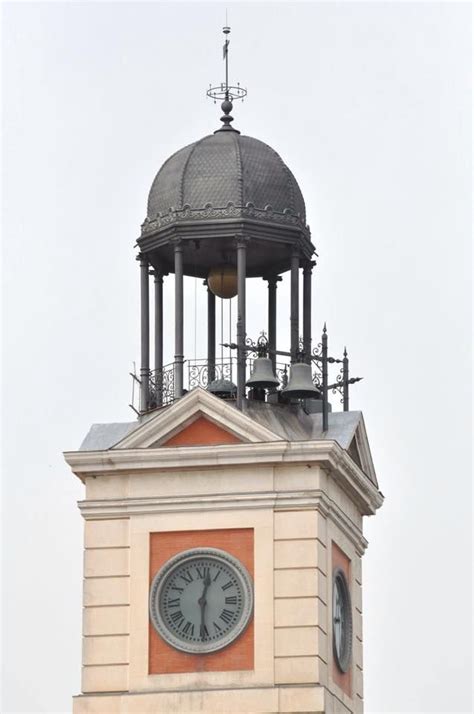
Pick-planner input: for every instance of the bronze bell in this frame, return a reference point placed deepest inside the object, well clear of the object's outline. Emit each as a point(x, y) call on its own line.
point(300, 385)
point(223, 388)
point(262, 376)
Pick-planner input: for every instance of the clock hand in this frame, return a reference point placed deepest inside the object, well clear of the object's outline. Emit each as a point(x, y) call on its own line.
point(203, 602)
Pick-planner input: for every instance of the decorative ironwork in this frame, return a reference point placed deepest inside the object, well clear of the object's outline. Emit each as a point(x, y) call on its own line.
point(340, 385)
point(260, 348)
point(225, 91)
point(198, 372)
point(232, 92)
point(316, 359)
point(162, 386)
point(281, 373)
point(324, 381)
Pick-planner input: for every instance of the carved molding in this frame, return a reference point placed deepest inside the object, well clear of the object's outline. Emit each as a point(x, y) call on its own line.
point(302, 500)
point(352, 480)
point(210, 212)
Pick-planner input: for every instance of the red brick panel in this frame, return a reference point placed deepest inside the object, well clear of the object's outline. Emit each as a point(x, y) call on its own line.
point(202, 432)
point(164, 659)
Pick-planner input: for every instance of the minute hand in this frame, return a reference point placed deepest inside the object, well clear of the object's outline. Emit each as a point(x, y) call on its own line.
point(203, 602)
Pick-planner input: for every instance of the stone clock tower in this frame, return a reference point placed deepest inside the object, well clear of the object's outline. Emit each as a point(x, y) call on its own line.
point(223, 528)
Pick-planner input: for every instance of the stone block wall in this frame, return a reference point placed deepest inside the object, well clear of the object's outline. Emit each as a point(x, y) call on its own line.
point(106, 601)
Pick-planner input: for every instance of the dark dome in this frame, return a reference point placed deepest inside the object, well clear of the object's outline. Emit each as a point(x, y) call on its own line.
point(226, 168)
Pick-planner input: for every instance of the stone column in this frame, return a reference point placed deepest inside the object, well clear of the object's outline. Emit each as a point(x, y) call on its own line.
point(178, 320)
point(159, 336)
point(272, 316)
point(145, 334)
point(307, 270)
point(294, 307)
point(211, 336)
point(241, 352)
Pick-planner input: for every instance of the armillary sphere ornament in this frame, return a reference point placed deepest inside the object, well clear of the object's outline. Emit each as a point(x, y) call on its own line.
point(225, 92)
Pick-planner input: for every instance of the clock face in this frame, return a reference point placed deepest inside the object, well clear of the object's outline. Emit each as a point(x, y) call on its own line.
point(341, 621)
point(201, 600)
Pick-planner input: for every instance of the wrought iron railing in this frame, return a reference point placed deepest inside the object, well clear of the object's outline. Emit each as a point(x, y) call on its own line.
point(160, 389)
point(202, 373)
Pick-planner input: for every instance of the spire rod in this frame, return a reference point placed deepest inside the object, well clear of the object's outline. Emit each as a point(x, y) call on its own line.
point(225, 91)
point(226, 31)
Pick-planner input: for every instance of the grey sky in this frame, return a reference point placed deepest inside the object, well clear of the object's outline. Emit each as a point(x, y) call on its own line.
point(369, 105)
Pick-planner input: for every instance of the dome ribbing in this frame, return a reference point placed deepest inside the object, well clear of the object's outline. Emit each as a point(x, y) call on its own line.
point(224, 168)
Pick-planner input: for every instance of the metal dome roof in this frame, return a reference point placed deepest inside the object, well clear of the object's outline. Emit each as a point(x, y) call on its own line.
point(228, 171)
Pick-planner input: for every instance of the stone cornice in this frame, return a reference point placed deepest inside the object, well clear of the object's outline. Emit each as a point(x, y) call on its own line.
point(276, 500)
point(327, 453)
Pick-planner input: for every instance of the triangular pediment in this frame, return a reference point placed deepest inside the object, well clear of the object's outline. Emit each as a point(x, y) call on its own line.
point(359, 451)
point(353, 452)
point(197, 419)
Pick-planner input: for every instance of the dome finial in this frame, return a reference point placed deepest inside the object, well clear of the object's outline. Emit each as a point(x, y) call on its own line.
point(225, 91)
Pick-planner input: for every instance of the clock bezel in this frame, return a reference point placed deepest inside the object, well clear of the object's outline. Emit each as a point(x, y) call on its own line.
point(342, 660)
point(157, 585)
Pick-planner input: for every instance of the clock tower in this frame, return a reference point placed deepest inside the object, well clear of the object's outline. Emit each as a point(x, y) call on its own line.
point(223, 527)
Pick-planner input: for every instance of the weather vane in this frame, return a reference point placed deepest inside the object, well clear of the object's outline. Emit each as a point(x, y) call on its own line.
point(226, 92)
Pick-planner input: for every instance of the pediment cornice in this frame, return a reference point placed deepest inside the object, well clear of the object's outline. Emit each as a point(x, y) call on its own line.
point(167, 422)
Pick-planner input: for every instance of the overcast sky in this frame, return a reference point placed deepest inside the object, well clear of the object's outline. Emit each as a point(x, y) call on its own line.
point(369, 105)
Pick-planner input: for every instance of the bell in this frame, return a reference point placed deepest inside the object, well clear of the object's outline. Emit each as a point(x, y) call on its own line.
point(223, 388)
point(300, 384)
point(262, 376)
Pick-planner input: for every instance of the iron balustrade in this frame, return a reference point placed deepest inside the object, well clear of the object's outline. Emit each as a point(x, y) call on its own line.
point(202, 373)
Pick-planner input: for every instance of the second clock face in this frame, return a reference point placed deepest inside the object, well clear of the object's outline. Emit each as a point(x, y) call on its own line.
point(201, 600)
point(342, 621)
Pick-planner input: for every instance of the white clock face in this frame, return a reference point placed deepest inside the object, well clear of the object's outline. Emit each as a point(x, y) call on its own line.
point(201, 600)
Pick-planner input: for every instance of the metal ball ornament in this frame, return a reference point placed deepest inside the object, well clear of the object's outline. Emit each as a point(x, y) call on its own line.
point(222, 281)
point(226, 106)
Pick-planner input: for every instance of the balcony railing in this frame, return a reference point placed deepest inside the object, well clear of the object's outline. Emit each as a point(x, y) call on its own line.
point(222, 374)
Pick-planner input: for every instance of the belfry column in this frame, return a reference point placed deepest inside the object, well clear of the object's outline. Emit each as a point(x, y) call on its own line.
point(178, 320)
point(294, 306)
point(145, 334)
point(211, 336)
point(241, 353)
point(272, 313)
point(307, 271)
point(159, 336)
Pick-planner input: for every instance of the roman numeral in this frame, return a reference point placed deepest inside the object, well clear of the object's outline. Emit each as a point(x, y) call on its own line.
point(216, 627)
point(187, 577)
point(188, 628)
point(203, 632)
point(226, 615)
point(180, 590)
point(227, 585)
point(174, 602)
point(202, 572)
point(175, 616)
point(217, 575)
point(231, 600)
